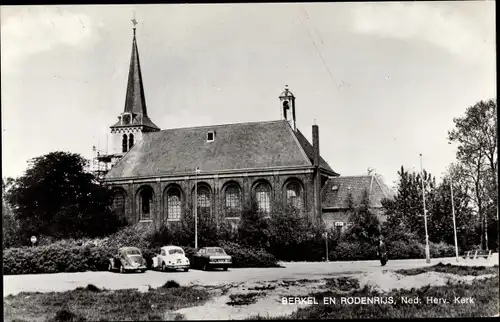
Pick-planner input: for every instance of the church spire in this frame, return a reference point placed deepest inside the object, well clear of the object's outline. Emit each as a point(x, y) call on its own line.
point(135, 101)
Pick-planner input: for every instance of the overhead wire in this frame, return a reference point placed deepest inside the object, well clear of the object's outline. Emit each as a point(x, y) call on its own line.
point(325, 64)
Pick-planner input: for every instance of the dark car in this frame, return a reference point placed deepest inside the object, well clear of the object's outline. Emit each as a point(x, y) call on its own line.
point(211, 257)
point(128, 259)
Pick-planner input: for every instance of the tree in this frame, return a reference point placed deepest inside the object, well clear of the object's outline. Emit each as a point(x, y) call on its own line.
point(365, 223)
point(57, 197)
point(405, 211)
point(475, 133)
point(441, 216)
point(10, 226)
point(253, 227)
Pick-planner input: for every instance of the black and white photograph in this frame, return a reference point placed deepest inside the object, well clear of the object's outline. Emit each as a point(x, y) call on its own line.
point(249, 161)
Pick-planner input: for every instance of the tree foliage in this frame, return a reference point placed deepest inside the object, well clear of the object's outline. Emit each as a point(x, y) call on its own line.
point(405, 210)
point(253, 227)
point(10, 226)
point(57, 197)
point(475, 134)
point(365, 223)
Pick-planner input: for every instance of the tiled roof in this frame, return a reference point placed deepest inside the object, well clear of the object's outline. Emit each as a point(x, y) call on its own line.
point(308, 148)
point(259, 145)
point(336, 190)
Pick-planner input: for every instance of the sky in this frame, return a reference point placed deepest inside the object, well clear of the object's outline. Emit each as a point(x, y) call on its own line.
point(383, 81)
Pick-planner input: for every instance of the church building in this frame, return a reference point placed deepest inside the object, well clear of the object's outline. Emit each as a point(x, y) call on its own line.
point(158, 174)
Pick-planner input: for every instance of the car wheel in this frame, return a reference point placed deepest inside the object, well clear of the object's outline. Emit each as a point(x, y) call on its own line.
point(163, 267)
point(122, 270)
point(186, 269)
point(225, 268)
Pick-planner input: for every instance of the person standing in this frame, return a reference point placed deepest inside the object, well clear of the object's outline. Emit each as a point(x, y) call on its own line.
point(382, 251)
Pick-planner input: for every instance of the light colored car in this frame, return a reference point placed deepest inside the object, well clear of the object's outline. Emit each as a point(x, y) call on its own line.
point(127, 259)
point(212, 257)
point(171, 258)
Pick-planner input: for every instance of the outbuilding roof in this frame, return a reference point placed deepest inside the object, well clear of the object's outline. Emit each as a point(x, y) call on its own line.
point(336, 190)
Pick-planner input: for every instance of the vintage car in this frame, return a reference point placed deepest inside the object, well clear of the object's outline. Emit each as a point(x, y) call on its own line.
point(171, 258)
point(128, 259)
point(212, 257)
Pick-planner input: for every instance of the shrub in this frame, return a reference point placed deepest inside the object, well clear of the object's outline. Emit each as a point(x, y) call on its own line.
point(55, 259)
point(248, 257)
point(170, 284)
point(405, 250)
point(253, 227)
point(352, 251)
point(441, 250)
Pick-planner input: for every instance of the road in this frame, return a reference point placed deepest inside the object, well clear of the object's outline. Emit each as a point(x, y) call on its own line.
point(13, 284)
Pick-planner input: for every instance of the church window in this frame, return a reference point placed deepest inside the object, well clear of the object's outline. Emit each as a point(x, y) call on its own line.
point(294, 194)
point(204, 202)
point(130, 141)
point(263, 197)
point(145, 203)
point(174, 204)
point(119, 203)
point(233, 200)
point(124, 143)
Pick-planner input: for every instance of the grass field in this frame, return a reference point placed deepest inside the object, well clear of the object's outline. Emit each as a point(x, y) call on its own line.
point(93, 304)
point(483, 294)
point(452, 269)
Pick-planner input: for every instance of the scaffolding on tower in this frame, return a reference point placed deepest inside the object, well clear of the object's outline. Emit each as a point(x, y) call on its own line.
point(101, 164)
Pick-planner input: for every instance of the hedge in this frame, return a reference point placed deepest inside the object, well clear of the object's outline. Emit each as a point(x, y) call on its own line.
point(346, 251)
point(248, 257)
point(57, 258)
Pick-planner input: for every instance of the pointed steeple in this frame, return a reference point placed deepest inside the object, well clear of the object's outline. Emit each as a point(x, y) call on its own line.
point(135, 112)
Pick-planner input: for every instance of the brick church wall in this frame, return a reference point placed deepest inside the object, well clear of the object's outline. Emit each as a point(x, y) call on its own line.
point(217, 184)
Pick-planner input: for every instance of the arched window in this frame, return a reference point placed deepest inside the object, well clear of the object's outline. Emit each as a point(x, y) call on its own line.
point(204, 203)
point(233, 200)
point(294, 194)
point(119, 203)
point(130, 141)
point(263, 197)
point(124, 143)
point(145, 203)
point(173, 202)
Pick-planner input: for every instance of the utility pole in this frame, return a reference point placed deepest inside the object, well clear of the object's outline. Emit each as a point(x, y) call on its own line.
point(454, 220)
point(427, 250)
point(326, 243)
point(196, 171)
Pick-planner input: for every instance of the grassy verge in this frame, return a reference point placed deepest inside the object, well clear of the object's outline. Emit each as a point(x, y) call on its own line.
point(93, 304)
point(483, 294)
point(452, 269)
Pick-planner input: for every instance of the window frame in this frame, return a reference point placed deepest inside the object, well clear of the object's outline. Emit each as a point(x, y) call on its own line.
point(230, 209)
point(257, 197)
point(168, 203)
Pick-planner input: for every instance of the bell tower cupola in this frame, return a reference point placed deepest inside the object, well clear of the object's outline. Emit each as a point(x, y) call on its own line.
point(287, 100)
point(134, 120)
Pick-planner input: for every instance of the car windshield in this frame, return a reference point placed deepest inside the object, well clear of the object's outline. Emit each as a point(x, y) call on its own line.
point(216, 251)
point(132, 252)
point(176, 251)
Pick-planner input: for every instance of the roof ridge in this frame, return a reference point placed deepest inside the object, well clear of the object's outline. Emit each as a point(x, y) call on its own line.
point(217, 125)
point(380, 186)
point(296, 140)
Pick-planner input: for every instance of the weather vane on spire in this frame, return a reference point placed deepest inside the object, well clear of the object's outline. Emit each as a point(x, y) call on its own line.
point(134, 22)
